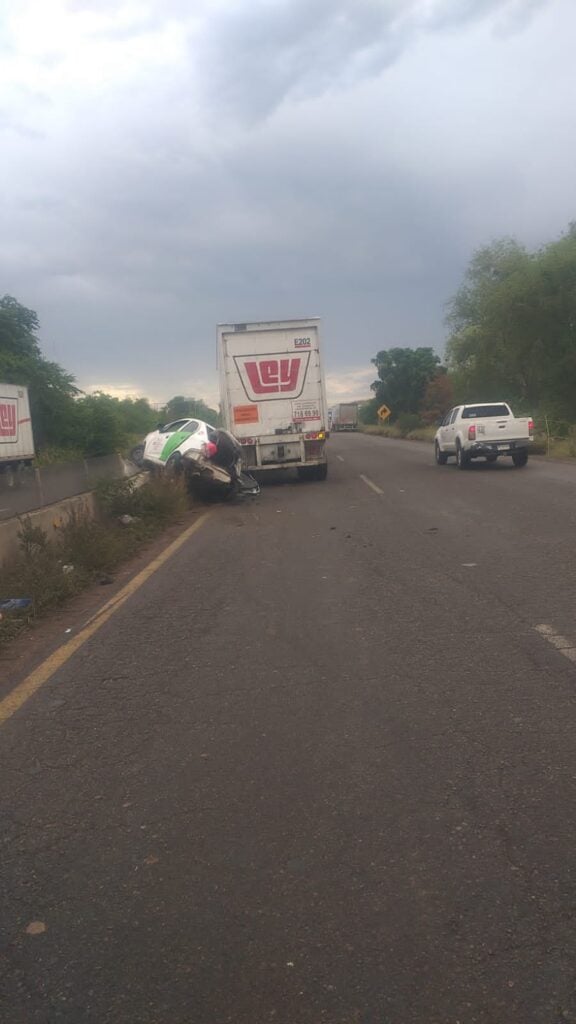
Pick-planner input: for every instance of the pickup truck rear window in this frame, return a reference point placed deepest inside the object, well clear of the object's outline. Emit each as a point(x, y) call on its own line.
point(484, 411)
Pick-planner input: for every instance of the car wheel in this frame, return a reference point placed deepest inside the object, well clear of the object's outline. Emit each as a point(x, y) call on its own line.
point(174, 465)
point(137, 455)
point(440, 456)
point(462, 460)
point(520, 459)
point(491, 458)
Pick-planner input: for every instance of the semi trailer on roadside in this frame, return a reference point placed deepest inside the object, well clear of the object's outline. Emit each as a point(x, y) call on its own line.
point(16, 439)
point(273, 394)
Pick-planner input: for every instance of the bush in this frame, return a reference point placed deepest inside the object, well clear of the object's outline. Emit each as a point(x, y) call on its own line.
point(382, 430)
point(408, 421)
point(422, 434)
point(159, 499)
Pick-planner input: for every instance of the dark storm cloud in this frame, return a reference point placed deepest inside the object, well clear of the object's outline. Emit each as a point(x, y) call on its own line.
point(185, 164)
point(257, 55)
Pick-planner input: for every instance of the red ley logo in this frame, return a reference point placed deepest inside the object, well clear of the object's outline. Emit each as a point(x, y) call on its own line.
point(7, 418)
point(273, 377)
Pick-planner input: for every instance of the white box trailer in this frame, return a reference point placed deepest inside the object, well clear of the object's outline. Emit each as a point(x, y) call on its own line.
point(273, 394)
point(16, 439)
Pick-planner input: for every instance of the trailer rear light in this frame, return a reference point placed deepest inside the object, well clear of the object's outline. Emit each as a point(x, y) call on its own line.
point(472, 432)
point(247, 440)
point(530, 427)
point(315, 435)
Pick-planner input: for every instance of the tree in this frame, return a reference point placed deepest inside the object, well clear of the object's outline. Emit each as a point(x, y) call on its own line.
point(438, 397)
point(513, 326)
point(403, 375)
point(99, 425)
point(368, 411)
point(63, 417)
point(52, 390)
point(179, 406)
point(138, 416)
point(106, 424)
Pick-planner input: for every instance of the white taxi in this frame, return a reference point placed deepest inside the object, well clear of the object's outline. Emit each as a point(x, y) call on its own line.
point(166, 445)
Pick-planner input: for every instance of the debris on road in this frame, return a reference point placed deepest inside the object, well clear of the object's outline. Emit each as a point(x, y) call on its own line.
point(127, 520)
point(36, 928)
point(14, 604)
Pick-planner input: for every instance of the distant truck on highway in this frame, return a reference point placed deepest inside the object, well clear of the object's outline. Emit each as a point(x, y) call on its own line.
point(16, 439)
point(488, 430)
point(273, 394)
point(344, 416)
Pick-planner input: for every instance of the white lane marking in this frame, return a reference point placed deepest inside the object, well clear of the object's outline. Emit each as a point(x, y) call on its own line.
point(371, 485)
point(340, 457)
point(469, 565)
point(561, 643)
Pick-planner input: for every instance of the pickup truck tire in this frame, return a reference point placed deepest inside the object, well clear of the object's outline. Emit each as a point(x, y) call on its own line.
point(440, 456)
point(520, 459)
point(491, 458)
point(462, 460)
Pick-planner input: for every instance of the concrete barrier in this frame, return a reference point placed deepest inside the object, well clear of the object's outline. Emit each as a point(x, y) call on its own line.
point(49, 519)
point(33, 489)
point(52, 517)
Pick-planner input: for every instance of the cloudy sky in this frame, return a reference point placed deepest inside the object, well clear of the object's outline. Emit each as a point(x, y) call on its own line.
point(169, 164)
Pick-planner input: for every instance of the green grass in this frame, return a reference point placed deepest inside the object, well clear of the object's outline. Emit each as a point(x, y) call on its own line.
point(394, 431)
point(92, 547)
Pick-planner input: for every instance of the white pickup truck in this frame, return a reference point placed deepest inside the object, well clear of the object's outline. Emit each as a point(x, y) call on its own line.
point(488, 430)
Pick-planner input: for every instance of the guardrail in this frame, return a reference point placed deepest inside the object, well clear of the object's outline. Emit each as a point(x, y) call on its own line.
point(31, 489)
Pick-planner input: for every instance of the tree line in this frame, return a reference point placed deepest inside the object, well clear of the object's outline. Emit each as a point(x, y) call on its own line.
point(68, 423)
point(512, 337)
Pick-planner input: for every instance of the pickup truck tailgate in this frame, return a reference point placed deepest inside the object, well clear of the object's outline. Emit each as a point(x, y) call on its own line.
point(502, 430)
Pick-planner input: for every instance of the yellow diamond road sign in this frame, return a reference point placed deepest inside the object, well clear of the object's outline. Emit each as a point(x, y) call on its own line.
point(384, 412)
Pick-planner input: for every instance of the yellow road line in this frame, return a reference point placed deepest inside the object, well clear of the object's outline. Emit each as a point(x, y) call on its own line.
point(28, 687)
point(369, 483)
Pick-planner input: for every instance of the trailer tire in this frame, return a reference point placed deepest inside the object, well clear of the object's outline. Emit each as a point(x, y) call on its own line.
point(321, 471)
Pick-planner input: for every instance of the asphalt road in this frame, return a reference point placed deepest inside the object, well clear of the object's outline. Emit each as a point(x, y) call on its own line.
point(321, 767)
